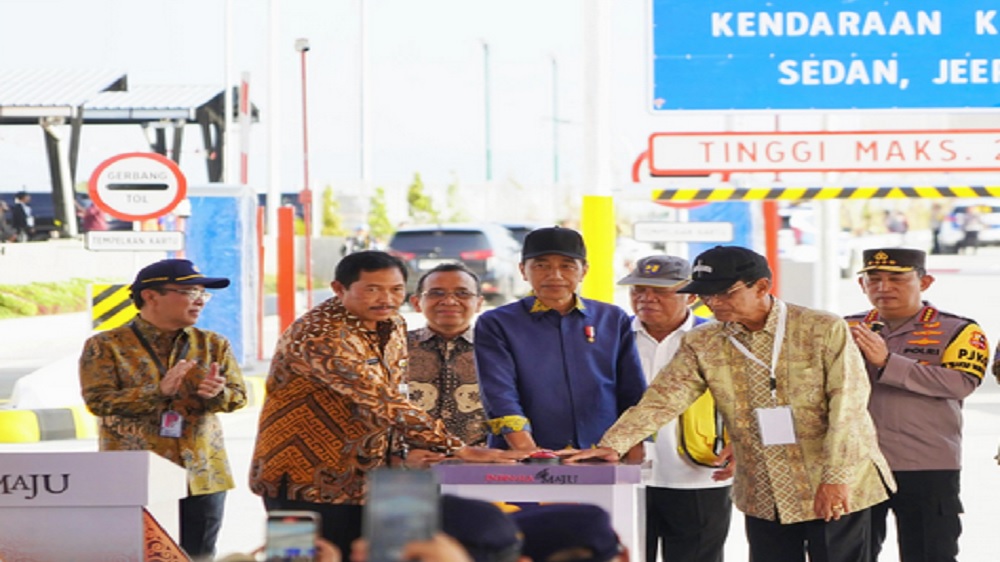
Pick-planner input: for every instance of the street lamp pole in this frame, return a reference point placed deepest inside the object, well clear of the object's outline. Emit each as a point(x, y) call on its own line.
point(305, 196)
point(486, 110)
point(555, 121)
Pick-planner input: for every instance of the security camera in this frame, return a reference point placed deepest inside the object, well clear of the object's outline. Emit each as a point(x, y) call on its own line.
point(302, 45)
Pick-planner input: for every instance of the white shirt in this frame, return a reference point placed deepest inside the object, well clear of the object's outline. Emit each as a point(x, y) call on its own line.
point(670, 469)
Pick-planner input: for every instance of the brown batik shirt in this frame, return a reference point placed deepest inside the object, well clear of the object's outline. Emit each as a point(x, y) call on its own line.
point(333, 406)
point(442, 380)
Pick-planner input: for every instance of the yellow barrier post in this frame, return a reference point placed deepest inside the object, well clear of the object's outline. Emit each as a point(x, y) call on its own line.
point(598, 225)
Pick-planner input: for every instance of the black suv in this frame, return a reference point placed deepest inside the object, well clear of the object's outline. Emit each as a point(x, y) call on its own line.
point(487, 249)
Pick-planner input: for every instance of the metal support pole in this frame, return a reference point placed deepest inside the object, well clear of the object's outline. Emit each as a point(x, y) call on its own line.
point(286, 266)
point(305, 196)
point(555, 121)
point(487, 112)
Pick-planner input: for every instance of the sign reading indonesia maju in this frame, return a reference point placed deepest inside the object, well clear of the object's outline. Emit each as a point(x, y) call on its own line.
point(825, 54)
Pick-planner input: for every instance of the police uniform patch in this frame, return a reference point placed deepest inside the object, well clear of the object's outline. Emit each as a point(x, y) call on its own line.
point(978, 340)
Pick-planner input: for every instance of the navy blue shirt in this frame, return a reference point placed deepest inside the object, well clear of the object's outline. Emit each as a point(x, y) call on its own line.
point(566, 379)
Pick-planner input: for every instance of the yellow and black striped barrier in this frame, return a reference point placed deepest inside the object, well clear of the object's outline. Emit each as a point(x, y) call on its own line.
point(110, 306)
point(716, 194)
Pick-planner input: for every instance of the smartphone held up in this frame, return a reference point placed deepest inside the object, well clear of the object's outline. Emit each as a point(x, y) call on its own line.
point(291, 536)
point(402, 506)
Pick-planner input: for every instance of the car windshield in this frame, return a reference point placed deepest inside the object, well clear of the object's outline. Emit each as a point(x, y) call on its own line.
point(440, 242)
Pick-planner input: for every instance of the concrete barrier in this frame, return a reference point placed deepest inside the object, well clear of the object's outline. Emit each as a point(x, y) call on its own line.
point(61, 260)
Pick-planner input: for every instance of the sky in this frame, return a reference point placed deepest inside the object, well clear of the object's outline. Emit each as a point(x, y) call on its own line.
point(426, 77)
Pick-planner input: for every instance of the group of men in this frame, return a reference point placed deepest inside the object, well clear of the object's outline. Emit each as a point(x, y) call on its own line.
point(823, 424)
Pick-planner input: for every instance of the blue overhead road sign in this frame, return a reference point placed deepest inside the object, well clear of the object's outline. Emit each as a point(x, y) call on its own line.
point(825, 54)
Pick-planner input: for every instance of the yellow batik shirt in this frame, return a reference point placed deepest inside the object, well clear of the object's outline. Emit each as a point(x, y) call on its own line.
point(820, 373)
point(120, 382)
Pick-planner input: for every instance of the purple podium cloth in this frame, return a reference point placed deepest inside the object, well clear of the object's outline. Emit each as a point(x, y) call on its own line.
point(540, 474)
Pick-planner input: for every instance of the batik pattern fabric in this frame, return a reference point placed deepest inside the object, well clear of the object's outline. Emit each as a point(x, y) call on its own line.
point(819, 373)
point(441, 377)
point(333, 406)
point(120, 383)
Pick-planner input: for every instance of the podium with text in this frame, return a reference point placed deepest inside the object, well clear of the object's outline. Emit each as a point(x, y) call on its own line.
point(89, 506)
point(611, 486)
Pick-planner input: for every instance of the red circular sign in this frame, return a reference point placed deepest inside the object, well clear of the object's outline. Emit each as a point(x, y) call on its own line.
point(137, 186)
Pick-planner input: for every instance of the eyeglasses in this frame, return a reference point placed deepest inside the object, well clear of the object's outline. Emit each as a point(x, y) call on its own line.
point(652, 290)
point(725, 295)
point(192, 294)
point(441, 294)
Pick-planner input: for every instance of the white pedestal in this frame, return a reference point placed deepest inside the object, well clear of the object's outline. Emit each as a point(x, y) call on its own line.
point(85, 506)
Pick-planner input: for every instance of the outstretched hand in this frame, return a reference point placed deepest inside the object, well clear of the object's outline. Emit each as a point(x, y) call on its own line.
point(483, 454)
point(606, 454)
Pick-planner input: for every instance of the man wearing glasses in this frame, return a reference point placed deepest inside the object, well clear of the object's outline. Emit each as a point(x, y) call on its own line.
point(156, 384)
point(792, 388)
point(442, 369)
point(688, 507)
point(555, 369)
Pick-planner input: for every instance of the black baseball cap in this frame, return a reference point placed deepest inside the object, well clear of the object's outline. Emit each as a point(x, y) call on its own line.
point(721, 267)
point(553, 240)
point(176, 271)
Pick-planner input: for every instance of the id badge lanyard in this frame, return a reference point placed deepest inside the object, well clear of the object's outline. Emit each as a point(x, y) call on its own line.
point(171, 422)
point(775, 423)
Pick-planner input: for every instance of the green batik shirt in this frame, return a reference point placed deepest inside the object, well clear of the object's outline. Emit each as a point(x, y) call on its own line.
point(120, 382)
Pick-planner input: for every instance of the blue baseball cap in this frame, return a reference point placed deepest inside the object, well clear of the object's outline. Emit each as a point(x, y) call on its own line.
point(176, 271)
point(552, 528)
point(485, 531)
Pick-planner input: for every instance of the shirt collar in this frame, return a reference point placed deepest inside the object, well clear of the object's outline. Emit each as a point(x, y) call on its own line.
point(770, 325)
point(539, 306)
point(685, 326)
point(927, 313)
point(152, 333)
point(425, 334)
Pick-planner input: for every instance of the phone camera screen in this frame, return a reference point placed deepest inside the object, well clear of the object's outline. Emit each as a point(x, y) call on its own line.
point(290, 539)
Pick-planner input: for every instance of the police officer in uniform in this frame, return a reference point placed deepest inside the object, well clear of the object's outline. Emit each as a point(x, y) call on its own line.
point(922, 363)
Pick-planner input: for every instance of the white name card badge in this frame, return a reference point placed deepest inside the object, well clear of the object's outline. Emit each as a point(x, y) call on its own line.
point(776, 427)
